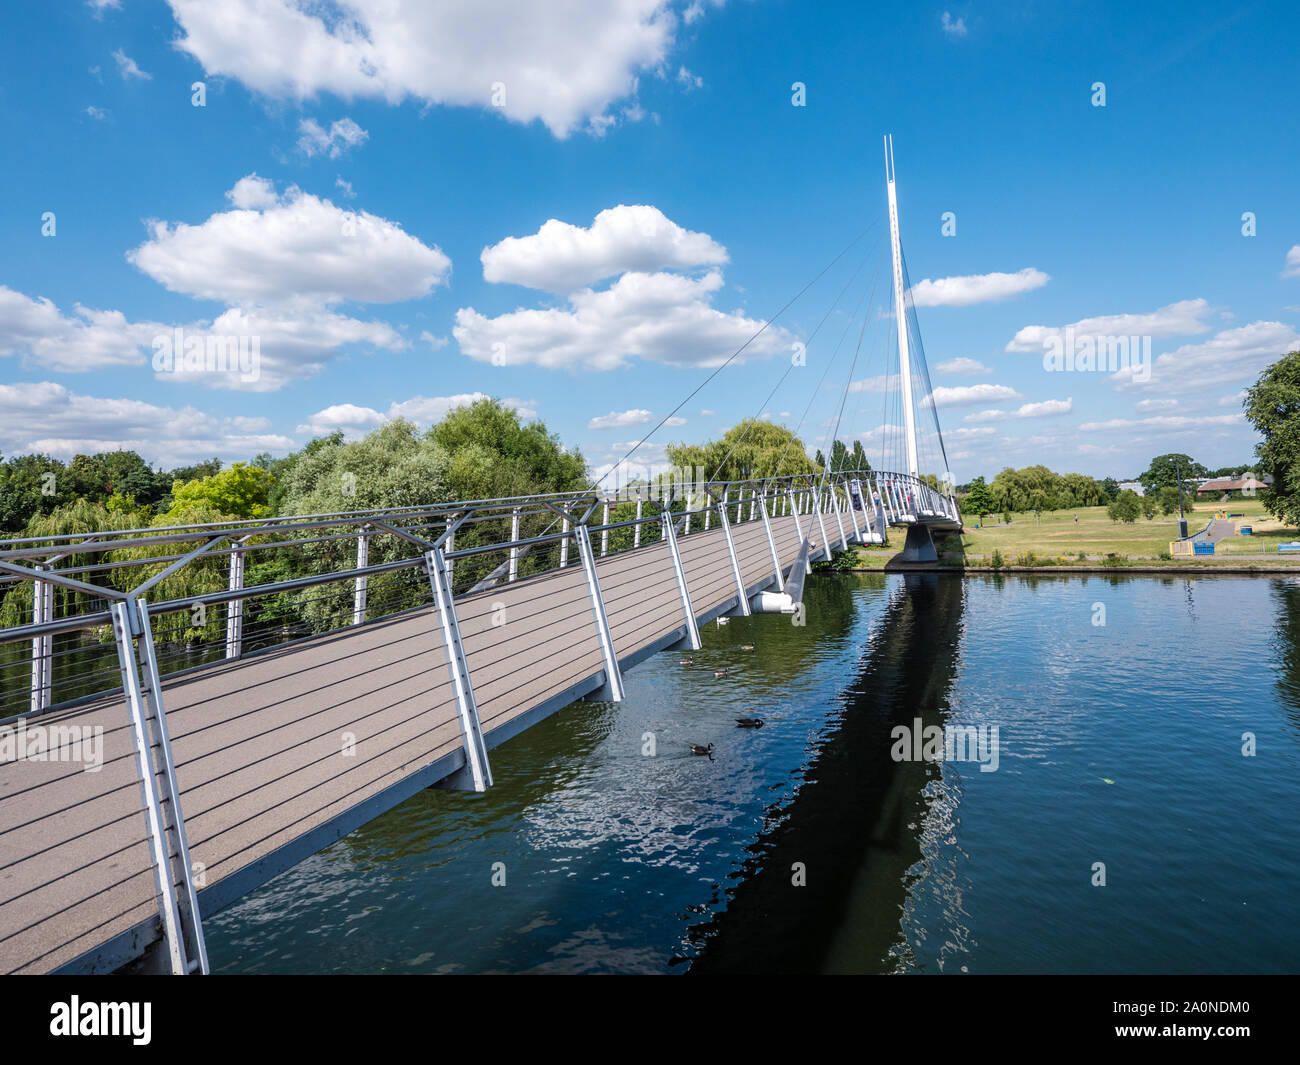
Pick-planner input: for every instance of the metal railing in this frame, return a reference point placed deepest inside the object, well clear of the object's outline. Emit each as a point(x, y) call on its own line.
point(90, 615)
point(201, 572)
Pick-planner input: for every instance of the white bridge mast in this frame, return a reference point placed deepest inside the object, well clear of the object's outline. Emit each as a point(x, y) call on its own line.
point(900, 310)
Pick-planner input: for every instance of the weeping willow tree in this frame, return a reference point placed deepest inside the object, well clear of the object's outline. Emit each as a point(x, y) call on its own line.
point(79, 518)
point(125, 568)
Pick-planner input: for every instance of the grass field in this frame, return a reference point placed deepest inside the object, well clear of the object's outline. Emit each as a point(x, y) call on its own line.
point(1057, 539)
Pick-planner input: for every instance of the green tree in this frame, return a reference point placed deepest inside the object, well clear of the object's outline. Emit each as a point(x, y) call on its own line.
point(1167, 469)
point(753, 448)
point(31, 485)
point(240, 492)
point(839, 456)
point(493, 454)
point(1273, 408)
point(1109, 490)
point(1126, 507)
point(979, 500)
point(860, 456)
point(1167, 499)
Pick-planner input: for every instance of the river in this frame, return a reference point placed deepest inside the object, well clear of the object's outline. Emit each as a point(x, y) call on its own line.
point(1123, 706)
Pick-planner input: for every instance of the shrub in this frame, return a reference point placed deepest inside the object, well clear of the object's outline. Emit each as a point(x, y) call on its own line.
point(997, 559)
point(1029, 559)
point(1113, 559)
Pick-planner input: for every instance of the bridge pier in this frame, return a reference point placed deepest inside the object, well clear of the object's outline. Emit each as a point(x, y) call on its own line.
point(919, 546)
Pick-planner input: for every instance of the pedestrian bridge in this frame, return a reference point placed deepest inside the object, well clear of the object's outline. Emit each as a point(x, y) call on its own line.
point(188, 712)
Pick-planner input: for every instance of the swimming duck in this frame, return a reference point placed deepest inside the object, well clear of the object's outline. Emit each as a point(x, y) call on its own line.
point(746, 646)
point(749, 722)
point(688, 661)
point(699, 749)
point(720, 672)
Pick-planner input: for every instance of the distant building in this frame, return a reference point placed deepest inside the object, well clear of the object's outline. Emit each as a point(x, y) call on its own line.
point(1132, 486)
point(1230, 486)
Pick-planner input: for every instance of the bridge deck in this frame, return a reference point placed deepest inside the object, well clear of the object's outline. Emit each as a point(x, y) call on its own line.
point(281, 752)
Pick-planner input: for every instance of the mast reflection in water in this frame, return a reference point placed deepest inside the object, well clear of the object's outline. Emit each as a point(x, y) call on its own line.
point(1115, 746)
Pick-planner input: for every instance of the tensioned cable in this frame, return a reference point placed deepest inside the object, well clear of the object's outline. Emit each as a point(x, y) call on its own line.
point(925, 367)
point(817, 388)
point(762, 406)
point(732, 357)
point(849, 381)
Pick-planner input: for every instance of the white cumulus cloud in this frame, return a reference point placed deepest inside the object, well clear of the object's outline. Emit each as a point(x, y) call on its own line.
point(664, 318)
point(1045, 409)
point(1185, 318)
point(561, 257)
point(565, 64)
point(1292, 268)
point(46, 417)
point(1230, 356)
point(34, 328)
point(621, 419)
point(976, 288)
point(343, 134)
point(968, 394)
point(293, 248)
point(127, 67)
point(962, 365)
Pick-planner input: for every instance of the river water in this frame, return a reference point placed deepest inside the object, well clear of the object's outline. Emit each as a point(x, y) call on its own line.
point(1123, 706)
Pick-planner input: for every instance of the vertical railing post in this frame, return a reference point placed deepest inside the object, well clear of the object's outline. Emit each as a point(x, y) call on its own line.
point(42, 646)
point(235, 607)
point(449, 548)
point(613, 689)
point(839, 521)
point(478, 771)
point(514, 545)
point(636, 529)
point(742, 598)
point(181, 921)
point(670, 536)
point(821, 523)
point(604, 533)
point(853, 489)
point(360, 592)
point(771, 544)
point(798, 525)
point(882, 512)
point(564, 544)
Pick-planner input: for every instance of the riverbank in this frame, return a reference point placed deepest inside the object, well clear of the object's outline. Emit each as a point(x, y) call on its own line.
point(1164, 568)
point(1058, 536)
point(1087, 541)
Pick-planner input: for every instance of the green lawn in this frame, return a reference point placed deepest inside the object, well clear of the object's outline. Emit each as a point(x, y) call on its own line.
point(1055, 538)
point(1057, 535)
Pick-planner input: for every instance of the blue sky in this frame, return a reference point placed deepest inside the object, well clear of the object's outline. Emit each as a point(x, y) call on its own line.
point(641, 192)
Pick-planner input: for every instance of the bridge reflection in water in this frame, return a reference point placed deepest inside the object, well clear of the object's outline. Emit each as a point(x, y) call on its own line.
point(852, 827)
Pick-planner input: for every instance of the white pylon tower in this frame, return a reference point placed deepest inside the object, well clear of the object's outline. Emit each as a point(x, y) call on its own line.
point(900, 310)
